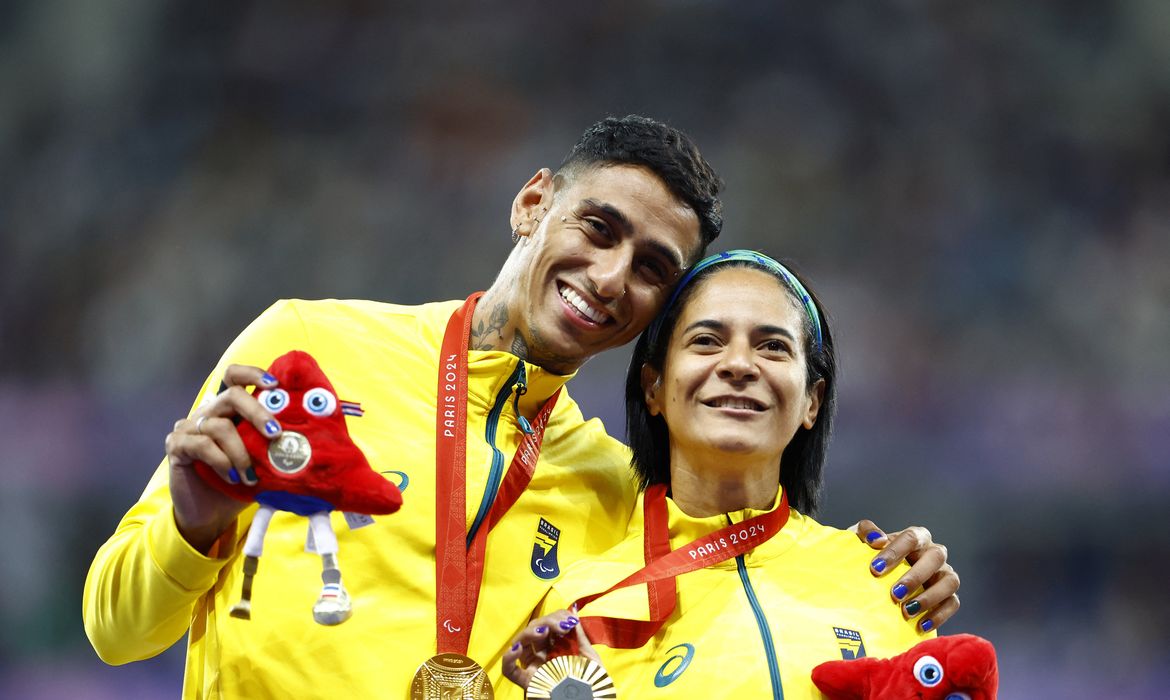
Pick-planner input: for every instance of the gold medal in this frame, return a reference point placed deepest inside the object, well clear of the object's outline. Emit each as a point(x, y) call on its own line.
point(450, 677)
point(290, 452)
point(571, 678)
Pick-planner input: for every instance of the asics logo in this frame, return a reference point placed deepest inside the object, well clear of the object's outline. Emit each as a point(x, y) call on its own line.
point(674, 665)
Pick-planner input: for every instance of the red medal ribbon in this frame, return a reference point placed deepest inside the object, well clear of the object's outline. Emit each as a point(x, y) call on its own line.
point(663, 566)
point(458, 566)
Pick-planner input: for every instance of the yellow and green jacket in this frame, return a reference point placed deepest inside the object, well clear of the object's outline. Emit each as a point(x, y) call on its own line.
point(750, 627)
point(147, 586)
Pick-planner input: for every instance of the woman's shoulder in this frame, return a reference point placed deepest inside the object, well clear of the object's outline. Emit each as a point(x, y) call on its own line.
point(832, 546)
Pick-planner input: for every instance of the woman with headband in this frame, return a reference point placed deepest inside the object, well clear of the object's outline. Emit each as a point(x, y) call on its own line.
point(725, 586)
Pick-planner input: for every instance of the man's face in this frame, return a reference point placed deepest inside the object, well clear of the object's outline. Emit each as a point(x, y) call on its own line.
point(601, 263)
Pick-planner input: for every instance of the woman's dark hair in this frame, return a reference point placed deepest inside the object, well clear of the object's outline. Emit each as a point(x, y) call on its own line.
point(803, 459)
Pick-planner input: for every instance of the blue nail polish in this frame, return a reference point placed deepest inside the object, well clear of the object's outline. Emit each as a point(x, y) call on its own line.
point(900, 591)
point(516, 646)
point(541, 630)
point(927, 625)
point(272, 427)
point(233, 476)
point(268, 379)
point(879, 565)
point(566, 625)
point(573, 620)
point(875, 535)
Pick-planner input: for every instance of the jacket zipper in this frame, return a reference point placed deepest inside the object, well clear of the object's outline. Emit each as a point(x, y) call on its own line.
point(516, 381)
point(765, 630)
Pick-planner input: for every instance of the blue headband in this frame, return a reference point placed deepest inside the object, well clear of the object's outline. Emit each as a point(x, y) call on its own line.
point(749, 256)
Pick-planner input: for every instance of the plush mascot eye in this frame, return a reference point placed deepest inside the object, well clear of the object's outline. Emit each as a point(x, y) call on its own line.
point(320, 402)
point(274, 399)
point(958, 696)
point(928, 671)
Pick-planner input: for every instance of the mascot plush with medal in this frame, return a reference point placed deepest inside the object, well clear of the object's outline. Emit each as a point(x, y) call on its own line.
point(957, 667)
point(311, 469)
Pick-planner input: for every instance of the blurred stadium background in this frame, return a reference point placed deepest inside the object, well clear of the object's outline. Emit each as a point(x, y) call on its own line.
point(980, 192)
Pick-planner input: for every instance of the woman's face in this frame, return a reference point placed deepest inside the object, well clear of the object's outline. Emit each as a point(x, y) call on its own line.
point(734, 377)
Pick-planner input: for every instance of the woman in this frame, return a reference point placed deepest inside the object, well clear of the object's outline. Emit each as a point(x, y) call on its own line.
point(729, 399)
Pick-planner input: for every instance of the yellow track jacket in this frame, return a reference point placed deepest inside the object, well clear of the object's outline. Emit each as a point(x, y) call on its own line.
point(750, 627)
point(147, 586)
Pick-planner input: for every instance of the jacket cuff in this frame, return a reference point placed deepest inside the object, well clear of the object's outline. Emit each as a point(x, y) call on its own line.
point(181, 562)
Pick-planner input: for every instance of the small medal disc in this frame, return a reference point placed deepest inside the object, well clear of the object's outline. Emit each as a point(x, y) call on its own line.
point(450, 677)
point(290, 452)
point(571, 678)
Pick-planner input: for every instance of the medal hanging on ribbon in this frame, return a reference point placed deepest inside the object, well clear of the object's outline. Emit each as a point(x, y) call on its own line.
point(459, 564)
point(663, 566)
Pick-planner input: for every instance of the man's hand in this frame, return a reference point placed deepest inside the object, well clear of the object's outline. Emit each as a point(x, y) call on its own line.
point(210, 436)
point(530, 648)
point(928, 590)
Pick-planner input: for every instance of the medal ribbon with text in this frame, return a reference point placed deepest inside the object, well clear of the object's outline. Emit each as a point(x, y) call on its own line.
point(458, 564)
point(663, 566)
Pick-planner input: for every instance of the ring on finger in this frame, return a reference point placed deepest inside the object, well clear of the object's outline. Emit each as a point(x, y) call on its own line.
point(199, 424)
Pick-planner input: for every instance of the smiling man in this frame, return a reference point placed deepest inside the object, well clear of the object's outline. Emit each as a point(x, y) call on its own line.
point(463, 407)
point(601, 246)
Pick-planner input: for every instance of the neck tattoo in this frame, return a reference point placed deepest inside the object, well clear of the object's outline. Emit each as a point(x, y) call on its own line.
point(519, 347)
point(494, 331)
point(488, 334)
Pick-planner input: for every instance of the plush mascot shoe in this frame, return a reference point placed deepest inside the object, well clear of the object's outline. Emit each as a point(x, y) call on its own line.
point(333, 607)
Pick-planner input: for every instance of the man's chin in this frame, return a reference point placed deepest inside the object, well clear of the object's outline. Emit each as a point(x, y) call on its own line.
point(564, 345)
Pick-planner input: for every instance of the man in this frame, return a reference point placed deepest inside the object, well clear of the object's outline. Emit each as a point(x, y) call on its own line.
point(599, 245)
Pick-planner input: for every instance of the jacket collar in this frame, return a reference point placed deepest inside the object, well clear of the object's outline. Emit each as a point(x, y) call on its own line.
point(489, 370)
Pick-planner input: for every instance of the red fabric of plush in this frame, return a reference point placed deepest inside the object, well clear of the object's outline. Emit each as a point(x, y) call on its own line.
point(934, 669)
point(337, 471)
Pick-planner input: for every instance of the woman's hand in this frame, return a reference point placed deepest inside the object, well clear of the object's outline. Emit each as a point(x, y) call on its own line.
point(928, 590)
point(532, 646)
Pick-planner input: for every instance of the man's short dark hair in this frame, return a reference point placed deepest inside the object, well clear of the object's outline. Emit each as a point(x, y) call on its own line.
point(667, 152)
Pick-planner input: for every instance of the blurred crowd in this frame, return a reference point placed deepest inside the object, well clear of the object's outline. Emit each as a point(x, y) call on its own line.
point(980, 192)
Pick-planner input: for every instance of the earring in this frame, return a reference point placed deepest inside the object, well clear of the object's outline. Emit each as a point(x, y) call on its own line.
point(516, 234)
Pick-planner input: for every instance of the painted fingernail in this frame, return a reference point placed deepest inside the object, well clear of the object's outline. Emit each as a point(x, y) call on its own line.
point(927, 625)
point(233, 476)
point(516, 646)
point(899, 591)
point(878, 565)
point(875, 535)
point(272, 427)
point(250, 475)
point(913, 607)
point(541, 630)
point(567, 625)
point(573, 619)
point(268, 379)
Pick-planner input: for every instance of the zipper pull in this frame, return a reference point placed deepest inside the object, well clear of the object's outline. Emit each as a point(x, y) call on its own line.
point(520, 389)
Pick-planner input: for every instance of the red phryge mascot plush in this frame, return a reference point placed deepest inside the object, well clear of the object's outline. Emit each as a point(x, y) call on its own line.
point(312, 468)
point(958, 667)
